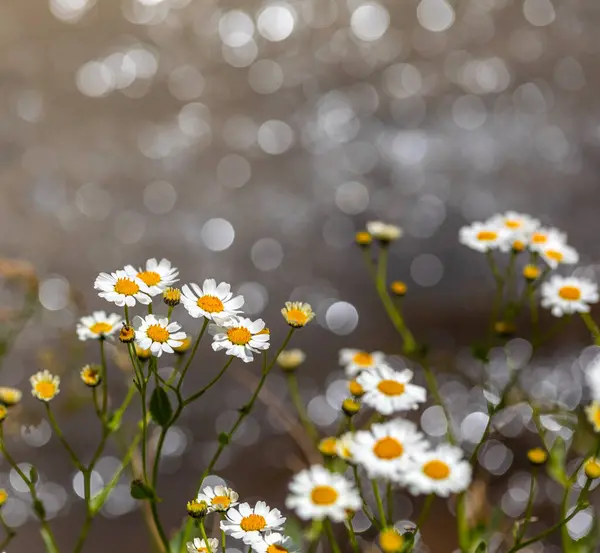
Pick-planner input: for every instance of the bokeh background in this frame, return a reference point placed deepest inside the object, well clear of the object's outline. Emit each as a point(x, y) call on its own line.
point(248, 141)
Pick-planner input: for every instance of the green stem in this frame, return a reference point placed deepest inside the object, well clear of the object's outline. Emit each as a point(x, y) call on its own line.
point(308, 425)
point(10, 533)
point(201, 392)
point(352, 536)
point(192, 354)
point(104, 380)
point(366, 508)
point(390, 502)
point(62, 438)
point(161, 532)
point(424, 511)
point(379, 502)
point(432, 385)
point(223, 536)
point(205, 537)
point(592, 327)
point(330, 536)
point(528, 509)
point(462, 522)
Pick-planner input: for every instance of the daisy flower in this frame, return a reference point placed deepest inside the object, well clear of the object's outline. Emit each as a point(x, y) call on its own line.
point(592, 378)
point(566, 295)
point(355, 360)
point(386, 449)
point(157, 276)
point(157, 335)
point(200, 546)
point(248, 523)
point(558, 253)
point(121, 288)
point(484, 237)
point(388, 391)
point(297, 314)
point(384, 232)
point(593, 414)
point(44, 385)
point(240, 337)
point(10, 396)
point(545, 235)
point(316, 493)
point(343, 446)
point(219, 498)
point(211, 301)
point(291, 359)
point(441, 471)
point(273, 542)
point(518, 224)
point(98, 325)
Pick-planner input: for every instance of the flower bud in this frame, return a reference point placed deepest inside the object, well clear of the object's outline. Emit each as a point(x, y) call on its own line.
point(172, 296)
point(127, 334)
point(350, 407)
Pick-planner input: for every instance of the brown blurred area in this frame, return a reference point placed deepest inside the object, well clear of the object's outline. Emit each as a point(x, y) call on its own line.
point(165, 146)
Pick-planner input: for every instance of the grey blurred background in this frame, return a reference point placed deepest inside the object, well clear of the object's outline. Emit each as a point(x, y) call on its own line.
point(248, 141)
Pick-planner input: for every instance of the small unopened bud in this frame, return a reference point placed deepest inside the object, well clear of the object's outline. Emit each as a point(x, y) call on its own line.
point(518, 246)
point(592, 468)
point(363, 239)
point(531, 272)
point(127, 334)
point(350, 407)
point(328, 446)
point(355, 388)
point(10, 396)
point(390, 540)
point(142, 354)
point(197, 509)
point(537, 456)
point(185, 345)
point(504, 329)
point(172, 296)
point(3, 496)
point(398, 288)
point(91, 375)
point(290, 359)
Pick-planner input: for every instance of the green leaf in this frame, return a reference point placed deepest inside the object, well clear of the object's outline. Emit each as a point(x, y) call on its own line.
point(160, 407)
point(33, 475)
point(142, 491)
point(314, 531)
point(224, 438)
point(556, 462)
point(337, 465)
point(481, 548)
point(114, 421)
point(294, 530)
point(409, 541)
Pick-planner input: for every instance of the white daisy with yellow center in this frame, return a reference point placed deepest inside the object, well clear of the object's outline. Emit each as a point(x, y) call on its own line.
point(316, 493)
point(219, 498)
point(157, 335)
point(10, 396)
point(567, 295)
point(593, 415)
point(355, 360)
point(385, 450)
point(157, 276)
point(200, 546)
point(249, 523)
point(44, 385)
point(389, 391)
point(441, 471)
point(542, 236)
point(485, 237)
point(240, 337)
point(121, 288)
point(517, 224)
point(98, 325)
point(273, 542)
point(211, 301)
point(558, 253)
point(384, 232)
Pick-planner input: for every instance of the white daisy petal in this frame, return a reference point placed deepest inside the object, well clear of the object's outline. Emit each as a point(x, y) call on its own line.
point(154, 334)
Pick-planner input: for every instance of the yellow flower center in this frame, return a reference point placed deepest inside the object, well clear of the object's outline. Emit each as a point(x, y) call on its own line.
point(487, 235)
point(100, 328)
point(512, 224)
point(388, 448)
point(202, 549)
point(390, 541)
point(391, 388)
point(323, 495)
point(363, 359)
point(90, 376)
point(570, 293)
point(355, 388)
point(596, 417)
point(592, 468)
point(537, 455)
point(157, 333)
point(3, 497)
point(296, 317)
point(150, 278)
point(436, 470)
point(210, 304)
point(239, 335)
point(274, 548)
point(45, 389)
point(538, 238)
point(221, 501)
point(253, 523)
point(126, 287)
point(518, 245)
point(554, 254)
point(328, 446)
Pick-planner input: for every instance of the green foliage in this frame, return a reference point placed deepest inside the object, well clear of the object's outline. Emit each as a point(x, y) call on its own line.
point(140, 490)
point(33, 475)
point(556, 462)
point(160, 407)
